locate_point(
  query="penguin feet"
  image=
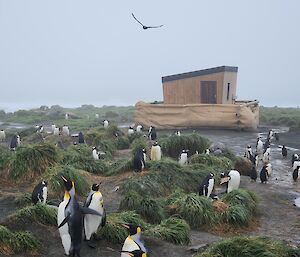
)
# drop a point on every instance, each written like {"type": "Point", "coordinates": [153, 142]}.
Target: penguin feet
{"type": "Point", "coordinates": [91, 243]}
{"type": "Point", "coordinates": [96, 237]}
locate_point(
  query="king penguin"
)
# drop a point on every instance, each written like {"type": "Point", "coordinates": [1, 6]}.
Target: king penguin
{"type": "Point", "coordinates": [40, 192]}
{"type": "Point", "coordinates": [155, 153]}
{"type": "Point", "coordinates": [135, 253]}
{"type": "Point", "coordinates": [134, 241]}
{"type": "Point", "coordinates": [94, 201]}
{"type": "Point", "coordinates": [207, 185]}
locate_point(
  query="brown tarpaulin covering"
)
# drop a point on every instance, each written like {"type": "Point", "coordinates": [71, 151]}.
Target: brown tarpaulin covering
{"type": "Point", "coordinates": [241, 115]}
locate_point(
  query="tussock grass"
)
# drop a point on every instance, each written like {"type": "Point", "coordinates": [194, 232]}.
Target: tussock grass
{"type": "Point", "coordinates": [5, 158]}
{"type": "Point", "coordinates": [151, 210]}
{"type": "Point", "coordinates": [119, 167]}
{"type": "Point", "coordinates": [196, 210]}
{"type": "Point", "coordinates": [31, 161]}
{"type": "Point", "coordinates": [135, 136]}
{"type": "Point", "coordinates": [211, 160]}
{"type": "Point", "coordinates": [23, 199]}
{"type": "Point", "coordinates": [56, 183]}
{"type": "Point", "coordinates": [138, 144]}
{"type": "Point", "coordinates": [173, 145]}
{"type": "Point", "coordinates": [250, 247]}
{"type": "Point", "coordinates": [165, 176]}
{"type": "Point", "coordinates": [123, 143]}
{"type": "Point", "coordinates": [17, 242]}
{"type": "Point", "coordinates": [38, 213]}
{"type": "Point", "coordinates": [173, 230]}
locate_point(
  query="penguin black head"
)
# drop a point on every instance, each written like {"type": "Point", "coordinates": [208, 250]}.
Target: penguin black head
{"type": "Point", "coordinates": [224, 177]}
{"type": "Point", "coordinates": [95, 187]}
{"type": "Point", "coordinates": [44, 183]}
{"type": "Point", "coordinates": [68, 183]}
{"type": "Point", "coordinates": [135, 253]}
{"type": "Point", "coordinates": [94, 148]}
{"type": "Point", "coordinates": [144, 150]}
{"type": "Point", "coordinates": [155, 143]}
{"type": "Point", "coordinates": [211, 175]}
{"type": "Point", "coordinates": [133, 229]}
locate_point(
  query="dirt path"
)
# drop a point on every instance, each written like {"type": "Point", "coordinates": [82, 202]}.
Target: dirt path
{"type": "Point", "coordinates": [278, 218]}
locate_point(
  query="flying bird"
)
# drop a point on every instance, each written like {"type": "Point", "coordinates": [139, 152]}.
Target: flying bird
{"type": "Point", "coordinates": [146, 27]}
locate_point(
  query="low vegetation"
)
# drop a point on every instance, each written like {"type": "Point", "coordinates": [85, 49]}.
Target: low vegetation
{"type": "Point", "coordinates": [250, 247]}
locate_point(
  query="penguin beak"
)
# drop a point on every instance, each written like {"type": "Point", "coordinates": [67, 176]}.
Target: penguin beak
{"type": "Point", "coordinates": [64, 179]}
{"type": "Point", "coordinates": [130, 254]}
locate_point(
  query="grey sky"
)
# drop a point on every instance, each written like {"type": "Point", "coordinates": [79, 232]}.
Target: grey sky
{"type": "Point", "coordinates": [77, 52]}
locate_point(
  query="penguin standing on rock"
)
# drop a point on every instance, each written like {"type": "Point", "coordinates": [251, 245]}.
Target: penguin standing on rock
{"type": "Point", "coordinates": [155, 154]}
{"type": "Point", "coordinates": [94, 201]}
{"type": "Point", "coordinates": [264, 174]}
{"type": "Point", "coordinates": [207, 185]}
{"type": "Point", "coordinates": [232, 180]}
{"type": "Point", "coordinates": [284, 151]}
{"type": "Point", "coordinates": [134, 241]}
{"type": "Point", "coordinates": [139, 160]}
{"type": "Point", "coordinates": [40, 192]}
{"type": "Point", "coordinates": [152, 133]}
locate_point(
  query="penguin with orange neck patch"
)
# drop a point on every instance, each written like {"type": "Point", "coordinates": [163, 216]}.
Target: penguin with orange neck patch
{"type": "Point", "coordinates": [134, 241]}
{"type": "Point", "coordinates": [70, 220]}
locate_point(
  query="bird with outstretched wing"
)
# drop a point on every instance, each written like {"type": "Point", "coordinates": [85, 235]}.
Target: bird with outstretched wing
{"type": "Point", "coordinates": [146, 27]}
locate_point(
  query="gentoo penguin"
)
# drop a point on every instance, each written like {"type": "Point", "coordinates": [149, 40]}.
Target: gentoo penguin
{"type": "Point", "coordinates": [97, 116]}
{"type": "Point", "coordinates": [95, 154]}
{"type": "Point", "coordinates": [70, 219]}
{"type": "Point", "coordinates": [40, 129]}
{"type": "Point", "coordinates": [270, 135]}
{"type": "Point", "coordinates": [266, 156]}
{"type": "Point", "coordinates": [80, 138]}
{"type": "Point", "coordinates": [152, 133]}
{"type": "Point", "coordinates": [134, 241]}
{"type": "Point", "coordinates": [295, 157]}
{"type": "Point", "coordinates": [2, 135]}
{"type": "Point", "coordinates": [207, 185]}
{"type": "Point", "coordinates": [130, 131]}
{"type": "Point", "coordinates": [139, 128]}
{"type": "Point", "coordinates": [105, 124]}
{"type": "Point", "coordinates": [94, 201]}
{"type": "Point", "coordinates": [56, 131]}
{"type": "Point", "coordinates": [52, 128]}
{"type": "Point", "coordinates": [177, 133]}
{"type": "Point", "coordinates": [65, 130]}
{"type": "Point", "coordinates": [183, 157]}
{"type": "Point", "coordinates": [155, 154]}
{"type": "Point", "coordinates": [254, 159]}
{"type": "Point", "coordinates": [259, 147]}
{"type": "Point", "coordinates": [135, 253]}
{"type": "Point", "coordinates": [248, 152]}
{"type": "Point", "coordinates": [253, 173]}
{"type": "Point", "coordinates": [139, 160]}
{"type": "Point", "coordinates": [296, 164]}
{"type": "Point", "coordinates": [284, 151]}
{"type": "Point", "coordinates": [207, 151]}
{"type": "Point", "coordinates": [40, 192]}
{"type": "Point", "coordinates": [267, 144]}
{"type": "Point", "coordinates": [66, 116]}
{"type": "Point", "coordinates": [268, 168]}
{"type": "Point", "coordinates": [231, 179]}
{"type": "Point", "coordinates": [296, 173]}
{"type": "Point", "coordinates": [15, 142]}
{"type": "Point", "coordinates": [264, 174]}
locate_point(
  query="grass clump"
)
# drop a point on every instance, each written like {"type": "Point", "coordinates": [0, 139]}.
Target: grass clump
{"type": "Point", "coordinates": [23, 199]}
{"type": "Point", "coordinates": [151, 210]}
{"type": "Point", "coordinates": [33, 160]}
{"type": "Point", "coordinates": [5, 158]}
{"type": "Point", "coordinates": [173, 145]}
{"type": "Point", "coordinates": [196, 210]}
{"type": "Point", "coordinates": [138, 144]}
{"type": "Point", "coordinates": [250, 247]}
{"type": "Point", "coordinates": [119, 167]}
{"type": "Point", "coordinates": [17, 242]}
{"type": "Point", "coordinates": [56, 183]}
{"type": "Point", "coordinates": [211, 160]}
{"type": "Point", "coordinates": [39, 213]}
{"type": "Point", "coordinates": [173, 230]}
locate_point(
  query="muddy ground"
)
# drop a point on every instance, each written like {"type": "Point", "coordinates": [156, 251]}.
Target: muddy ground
{"type": "Point", "coordinates": [278, 217]}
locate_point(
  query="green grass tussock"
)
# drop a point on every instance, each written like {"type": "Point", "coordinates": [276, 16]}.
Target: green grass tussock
{"type": "Point", "coordinates": [211, 160]}
{"type": "Point", "coordinates": [17, 242]}
{"type": "Point", "coordinates": [250, 247]}
{"type": "Point", "coordinates": [173, 145]}
{"type": "Point", "coordinates": [56, 183]}
{"type": "Point", "coordinates": [119, 167]}
{"type": "Point", "coordinates": [173, 230]}
{"type": "Point", "coordinates": [5, 158]}
{"type": "Point", "coordinates": [39, 213]}
{"type": "Point", "coordinates": [196, 210]}
{"type": "Point", "coordinates": [138, 144]}
{"type": "Point", "coordinates": [23, 199]}
{"type": "Point", "coordinates": [33, 160]}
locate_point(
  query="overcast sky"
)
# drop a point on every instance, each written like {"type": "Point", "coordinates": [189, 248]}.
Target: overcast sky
{"type": "Point", "coordinates": [93, 52]}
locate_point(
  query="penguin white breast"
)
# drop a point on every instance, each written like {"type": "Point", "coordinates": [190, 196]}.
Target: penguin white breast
{"type": "Point", "coordinates": [64, 230]}
{"type": "Point", "coordinates": [129, 245]}
{"type": "Point", "coordinates": [45, 194]}
{"type": "Point", "coordinates": [183, 158]}
{"type": "Point", "coordinates": [234, 181]}
{"type": "Point", "coordinates": [211, 183]}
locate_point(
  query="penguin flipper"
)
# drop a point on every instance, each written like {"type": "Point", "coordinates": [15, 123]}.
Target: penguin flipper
{"type": "Point", "coordinates": [65, 220]}
{"type": "Point", "coordinates": [103, 221]}
{"type": "Point", "coordinates": [86, 210]}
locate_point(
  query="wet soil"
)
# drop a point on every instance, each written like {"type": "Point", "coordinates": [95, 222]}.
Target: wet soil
{"type": "Point", "coordinates": [277, 218]}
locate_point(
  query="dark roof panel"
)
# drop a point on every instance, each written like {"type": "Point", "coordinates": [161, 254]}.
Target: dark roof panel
{"type": "Point", "coordinates": [199, 73]}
